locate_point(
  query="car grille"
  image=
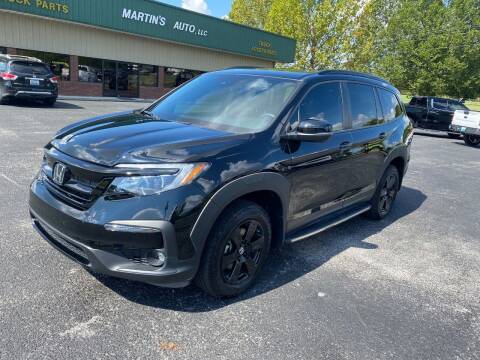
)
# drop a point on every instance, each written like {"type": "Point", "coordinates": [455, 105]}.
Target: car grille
{"type": "Point", "coordinates": [75, 198]}
{"type": "Point", "coordinates": [79, 191]}
{"type": "Point", "coordinates": [63, 244]}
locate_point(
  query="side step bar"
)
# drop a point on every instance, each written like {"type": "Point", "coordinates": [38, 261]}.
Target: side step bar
{"type": "Point", "coordinates": [326, 224]}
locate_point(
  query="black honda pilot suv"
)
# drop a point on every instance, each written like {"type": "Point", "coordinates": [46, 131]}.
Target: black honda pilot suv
{"type": "Point", "coordinates": [202, 184]}
{"type": "Point", "coordinates": [24, 77]}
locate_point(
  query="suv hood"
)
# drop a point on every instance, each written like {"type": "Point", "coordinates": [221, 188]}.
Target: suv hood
{"type": "Point", "coordinates": [132, 137]}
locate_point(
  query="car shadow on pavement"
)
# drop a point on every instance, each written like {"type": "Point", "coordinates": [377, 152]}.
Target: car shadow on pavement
{"type": "Point", "coordinates": [462, 143]}
{"type": "Point", "coordinates": [36, 104]}
{"type": "Point", "coordinates": [440, 135]}
{"type": "Point", "coordinates": [283, 266]}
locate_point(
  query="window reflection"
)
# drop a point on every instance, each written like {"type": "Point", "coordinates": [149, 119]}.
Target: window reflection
{"type": "Point", "coordinates": [148, 75]}
{"type": "Point", "coordinates": [323, 102]}
{"type": "Point", "coordinates": [58, 63]}
{"type": "Point", "coordinates": [175, 77]}
{"type": "Point", "coordinates": [390, 105]}
{"type": "Point", "coordinates": [362, 103]}
{"type": "Point", "coordinates": [90, 70]}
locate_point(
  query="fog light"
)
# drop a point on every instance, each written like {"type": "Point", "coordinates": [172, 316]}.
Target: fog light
{"type": "Point", "coordinates": [156, 257]}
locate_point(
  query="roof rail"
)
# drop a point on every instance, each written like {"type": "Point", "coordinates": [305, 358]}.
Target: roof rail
{"type": "Point", "coordinates": [241, 67]}
{"type": "Point", "coordinates": [21, 57]}
{"type": "Point", "coordinates": [353, 73]}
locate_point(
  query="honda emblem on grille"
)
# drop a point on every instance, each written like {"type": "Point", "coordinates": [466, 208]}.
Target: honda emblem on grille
{"type": "Point", "coordinates": [59, 171]}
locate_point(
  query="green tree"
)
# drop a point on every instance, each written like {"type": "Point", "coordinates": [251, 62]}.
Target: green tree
{"type": "Point", "coordinates": [462, 63]}
{"type": "Point", "coordinates": [427, 47]}
{"type": "Point", "coordinates": [250, 12]}
{"type": "Point", "coordinates": [323, 29]}
{"type": "Point", "coordinates": [368, 34]}
{"type": "Point", "coordinates": [413, 47]}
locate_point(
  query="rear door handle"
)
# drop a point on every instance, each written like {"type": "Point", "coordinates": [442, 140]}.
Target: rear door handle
{"type": "Point", "coordinates": [345, 145]}
{"type": "Point", "coordinates": [382, 135]}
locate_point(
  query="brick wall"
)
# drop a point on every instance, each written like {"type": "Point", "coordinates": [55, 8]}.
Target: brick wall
{"type": "Point", "coordinates": [77, 88]}
{"type": "Point", "coordinates": [148, 92]}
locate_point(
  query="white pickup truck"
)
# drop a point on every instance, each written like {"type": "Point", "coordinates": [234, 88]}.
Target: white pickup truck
{"type": "Point", "coordinates": [467, 123]}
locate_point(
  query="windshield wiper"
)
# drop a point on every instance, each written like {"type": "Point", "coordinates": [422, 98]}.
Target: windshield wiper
{"type": "Point", "coordinates": [148, 113]}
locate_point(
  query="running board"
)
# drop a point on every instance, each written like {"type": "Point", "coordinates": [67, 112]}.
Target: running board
{"type": "Point", "coordinates": [326, 224]}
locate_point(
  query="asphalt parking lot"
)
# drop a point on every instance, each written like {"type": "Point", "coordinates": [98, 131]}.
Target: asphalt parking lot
{"type": "Point", "coordinates": [407, 287]}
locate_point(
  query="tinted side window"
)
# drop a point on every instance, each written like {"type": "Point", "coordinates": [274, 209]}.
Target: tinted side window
{"type": "Point", "coordinates": [363, 109]}
{"type": "Point", "coordinates": [422, 102]}
{"type": "Point", "coordinates": [3, 65]}
{"type": "Point", "coordinates": [324, 102]}
{"type": "Point", "coordinates": [390, 105]}
{"type": "Point", "coordinates": [440, 104]}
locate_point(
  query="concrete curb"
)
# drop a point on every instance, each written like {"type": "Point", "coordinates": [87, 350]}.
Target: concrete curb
{"type": "Point", "coordinates": [100, 98]}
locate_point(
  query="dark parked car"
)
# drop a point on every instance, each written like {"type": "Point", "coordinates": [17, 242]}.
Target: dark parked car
{"type": "Point", "coordinates": [202, 184]}
{"type": "Point", "coordinates": [433, 113]}
{"type": "Point", "coordinates": [23, 77]}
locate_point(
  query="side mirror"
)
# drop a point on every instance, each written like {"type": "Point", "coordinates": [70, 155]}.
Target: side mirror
{"type": "Point", "coordinates": [311, 130]}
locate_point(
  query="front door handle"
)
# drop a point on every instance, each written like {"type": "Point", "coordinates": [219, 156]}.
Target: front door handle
{"type": "Point", "coordinates": [382, 135]}
{"type": "Point", "coordinates": [345, 145]}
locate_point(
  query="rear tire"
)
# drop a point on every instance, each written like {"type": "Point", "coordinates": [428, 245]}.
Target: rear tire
{"type": "Point", "coordinates": [385, 194]}
{"type": "Point", "coordinates": [235, 250]}
{"type": "Point", "coordinates": [4, 101]}
{"type": "Point", "coordinates": [471, 140]}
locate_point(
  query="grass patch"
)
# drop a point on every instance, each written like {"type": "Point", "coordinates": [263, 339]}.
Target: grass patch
{"type": "Point", "coordinates": [473, 105]}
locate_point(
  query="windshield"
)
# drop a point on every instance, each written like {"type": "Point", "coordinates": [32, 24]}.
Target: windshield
{"type": "Point", "coordinates": [236, 103]}
{"type": "Point", "coordinates": [29, 68]}
{"type": "Point", "coordinates": [456, 105]}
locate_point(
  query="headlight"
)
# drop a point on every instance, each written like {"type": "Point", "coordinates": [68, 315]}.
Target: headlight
{"type": "Point", "coordinates": [164, 177]}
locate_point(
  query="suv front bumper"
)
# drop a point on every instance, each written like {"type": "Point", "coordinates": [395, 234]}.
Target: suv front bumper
{"type": "Point", "coordinates": [114, 253]}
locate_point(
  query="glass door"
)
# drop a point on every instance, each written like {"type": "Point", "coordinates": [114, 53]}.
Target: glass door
{"type": "Point", "coordinates": [120, 79]}
{"type": "Point", "coordinates": [127, 80]}
{"type": "Point", "coordinates": [110, 78]}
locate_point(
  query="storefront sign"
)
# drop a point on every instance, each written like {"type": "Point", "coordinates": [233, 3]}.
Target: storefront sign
{"type": "Point", "coordinates": [154, 19]}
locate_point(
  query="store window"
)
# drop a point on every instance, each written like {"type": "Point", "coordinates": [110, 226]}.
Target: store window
{"type": "Point", "coordinates": [148, 75]}
{"type": "Point", "coordinates": [3, 50]}
{"type": "Point", "coordinates": [175, 77]}
{"type": "Point", "coordinates": [58, 63]}
{"type": "Point", "coordinates": [90, 70]}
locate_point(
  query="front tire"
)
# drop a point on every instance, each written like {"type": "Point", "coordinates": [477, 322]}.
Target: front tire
{"type": "Point", "coordinates": [236, 250]}
{"type": "Point", "coordinates": [471, 140]}
{"type": "Point", "coordinates": [385, 194]}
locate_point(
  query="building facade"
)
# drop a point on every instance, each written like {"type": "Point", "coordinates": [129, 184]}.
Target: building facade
{"type": "Point", "coordinates": [131, 48]}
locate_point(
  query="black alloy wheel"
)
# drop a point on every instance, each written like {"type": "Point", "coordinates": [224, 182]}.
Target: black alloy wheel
{"type": "Point", "coordinates": [236, 250]}
{"type": "Point", "coordinates": [388, 193]}
{"type": "Point", "coordinates": [385, 194]}
{"type": "Point", "coordinates": [243, 252]}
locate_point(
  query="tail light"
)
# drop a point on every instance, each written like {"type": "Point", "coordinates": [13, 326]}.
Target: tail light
{"type": "Point", "coordinates": [8, 76]}
{"type": "Point", "coordinates": [54, 79]}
